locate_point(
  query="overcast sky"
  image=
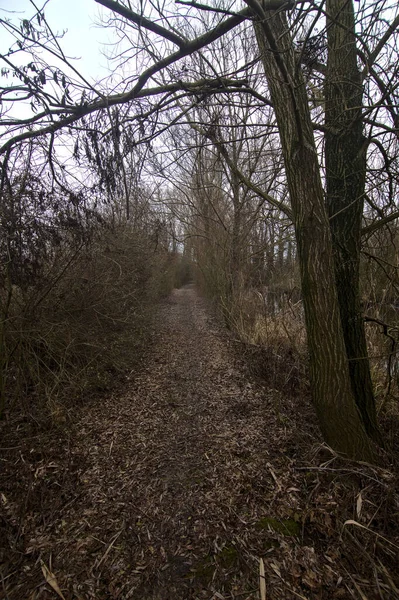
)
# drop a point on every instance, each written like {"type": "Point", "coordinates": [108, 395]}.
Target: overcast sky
{"type": "Point", "coordinates": [84, 39]}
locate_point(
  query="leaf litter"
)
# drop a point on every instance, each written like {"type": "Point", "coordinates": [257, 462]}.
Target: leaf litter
{"type": "Point", "coordinates": [194, 481]}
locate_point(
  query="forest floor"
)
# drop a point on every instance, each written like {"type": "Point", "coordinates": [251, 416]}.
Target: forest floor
{"type": "Point", "coordinates": [186, 483]}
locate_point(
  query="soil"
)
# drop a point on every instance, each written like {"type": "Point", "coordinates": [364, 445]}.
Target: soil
{"type": "Point", "coordinates": [188, 483]}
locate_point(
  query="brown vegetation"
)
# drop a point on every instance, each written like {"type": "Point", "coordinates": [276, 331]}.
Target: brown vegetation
{"type": "Point", "coordinates": [256, 154]}
{"type": "Point", "coordinates": [183, 482]}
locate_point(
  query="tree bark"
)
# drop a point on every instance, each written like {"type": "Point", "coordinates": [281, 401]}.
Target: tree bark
{"type": "Point", "coordinates": [345, 152]}
{"type": "Point", "coordinates": [332, 393]}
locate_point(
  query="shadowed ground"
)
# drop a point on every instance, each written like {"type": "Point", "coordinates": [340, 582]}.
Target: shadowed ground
{"type": "Point", "coordinates": [176, 488]}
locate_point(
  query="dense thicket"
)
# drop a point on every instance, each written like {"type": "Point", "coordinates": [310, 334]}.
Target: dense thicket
{"type": "Point", "coordinates": [78, 285]}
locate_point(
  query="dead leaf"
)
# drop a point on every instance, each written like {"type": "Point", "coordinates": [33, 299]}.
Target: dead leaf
{"type": "Point", "coordinates": [51, 580]}
{"type": "Point", "coordinates": [359, 504]}
{"type": "Point", "coordinates": [262, 581]}
{"type": "Point", "coordinates": [352, 522]}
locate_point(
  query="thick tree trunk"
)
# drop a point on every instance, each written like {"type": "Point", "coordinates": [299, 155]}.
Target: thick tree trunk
{"type": "Point", "coordinates": [345, 153]}
{"type": "Point", "coordinates": [331, 386]}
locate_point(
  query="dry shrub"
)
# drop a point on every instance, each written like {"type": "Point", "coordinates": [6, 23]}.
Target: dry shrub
{"type": "Point", "coordinates": [184, 270]}
{"type": "Point", "coordinates": [349, 516]}
{"type": "Point", "coordinates": [382, 339]}
{"type": "Point", "coordinates": [85, 324]}
{"type": "Point", "coordinates": [380, 293]}
{"type": "Point", "coordinates": [273, 331]}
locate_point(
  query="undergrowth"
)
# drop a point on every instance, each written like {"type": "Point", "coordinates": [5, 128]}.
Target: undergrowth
{"type": "Point", "coordinates": [350, 512]}
{"type": "Point", "coordinates": [83, 324]}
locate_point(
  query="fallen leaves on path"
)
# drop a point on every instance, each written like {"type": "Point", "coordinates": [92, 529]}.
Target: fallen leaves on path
{"type": "Point", "coordinates": [195, 482]}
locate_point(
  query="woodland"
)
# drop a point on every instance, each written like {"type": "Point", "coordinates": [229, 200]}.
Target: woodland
{"type": "Point", "coordinates": [228, 195]}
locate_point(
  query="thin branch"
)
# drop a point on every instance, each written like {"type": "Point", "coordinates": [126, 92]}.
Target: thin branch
{"type": "Point", "coordinates": [142, 21]}
{"type": "Point", "coordinates": [79, 111]}
{"type": "Point", "coordinates": [373, 56]}
{"type": "Point", "coordinates": [206, 7]}
{"type": "Point", "coordinates": [245, 180]}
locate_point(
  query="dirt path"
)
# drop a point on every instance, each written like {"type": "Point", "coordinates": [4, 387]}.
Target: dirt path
{"type": "Point", "coordinates": [180, 469]}
{"type": "Point", "coordinates": [175, 489]}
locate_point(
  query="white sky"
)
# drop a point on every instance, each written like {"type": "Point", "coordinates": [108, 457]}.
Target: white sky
{"type": "Point", "coordinates": [83, 40]}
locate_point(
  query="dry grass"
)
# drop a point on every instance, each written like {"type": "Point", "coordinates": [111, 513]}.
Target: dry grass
{"type": "Point", "coordinates": [274, 339]}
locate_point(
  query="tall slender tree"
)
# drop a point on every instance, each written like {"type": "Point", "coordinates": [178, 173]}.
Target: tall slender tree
{"type": "Point", "coordinates": [332, 392]}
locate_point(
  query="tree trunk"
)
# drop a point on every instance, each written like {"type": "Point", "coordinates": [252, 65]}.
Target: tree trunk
{"type": "Point", "coordinates": [332, 393]}
{"type": "Point", "coordinates": [345, 152]}
{"type": "Point", "coordinates": [270, 258]}
{"type": "Point", "coordinates": [235, 266]}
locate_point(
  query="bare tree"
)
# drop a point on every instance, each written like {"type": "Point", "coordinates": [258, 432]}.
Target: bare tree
{"type": "Point", "coordinates": [163, 88]}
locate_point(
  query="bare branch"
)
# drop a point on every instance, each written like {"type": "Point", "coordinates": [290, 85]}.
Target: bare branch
{"type": "Point", "coordinates": [380, 223]}
{"type": "Point", "coordinates": [245, 180]}
{"type": "Point", "coordinates": [374, 55]}
{"type": "Point", "coordinates": [142, 21]}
